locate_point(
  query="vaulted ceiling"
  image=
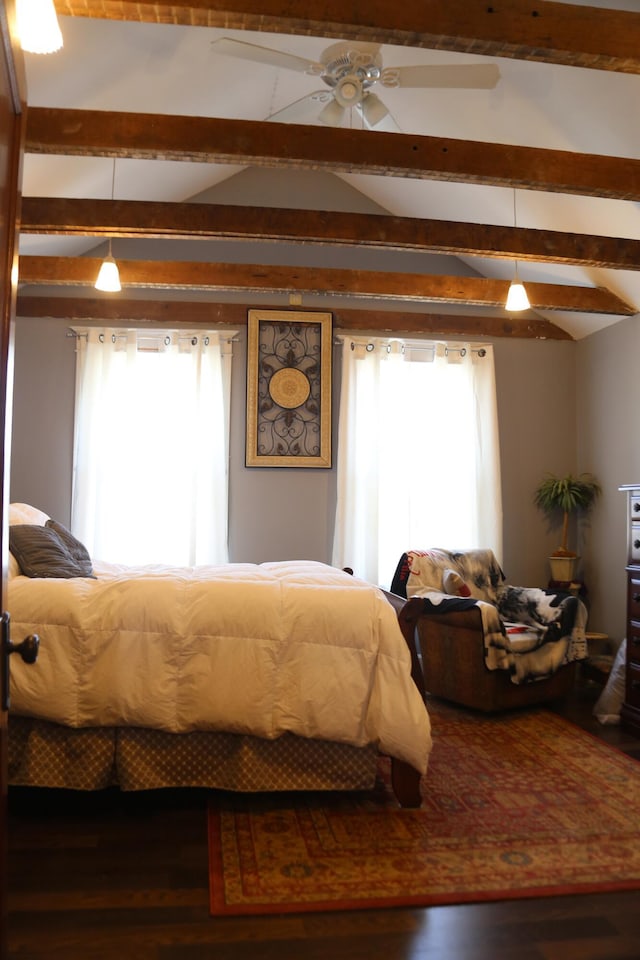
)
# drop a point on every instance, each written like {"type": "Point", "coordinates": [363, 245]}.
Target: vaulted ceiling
{"type": "Point", "coordinates": [410, 225]}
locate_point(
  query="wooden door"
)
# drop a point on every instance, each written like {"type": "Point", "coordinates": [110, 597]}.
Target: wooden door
{"type": "Point", "coordinates": [12, 126]}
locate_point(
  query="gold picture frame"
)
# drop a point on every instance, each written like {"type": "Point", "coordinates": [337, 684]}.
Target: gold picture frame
{"type": "Point", "coordinates": [289, 356]}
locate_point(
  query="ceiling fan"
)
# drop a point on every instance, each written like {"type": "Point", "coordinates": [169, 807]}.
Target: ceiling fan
{"type": "Point", "coordinates": [350, 69]}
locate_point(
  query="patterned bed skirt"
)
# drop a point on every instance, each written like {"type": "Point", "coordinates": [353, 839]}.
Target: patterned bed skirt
{"type": "Point", "coordinates": [43, 754]}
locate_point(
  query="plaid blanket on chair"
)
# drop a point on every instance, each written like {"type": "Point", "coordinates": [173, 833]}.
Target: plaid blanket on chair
{"type": "Point", "coordinates": [527, 631]}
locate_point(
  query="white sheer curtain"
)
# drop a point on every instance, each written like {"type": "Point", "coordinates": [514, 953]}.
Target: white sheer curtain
{"type": "Point", "coordinates": [418, 459]}
{"type": "Point", "coordinates": [151, 446]}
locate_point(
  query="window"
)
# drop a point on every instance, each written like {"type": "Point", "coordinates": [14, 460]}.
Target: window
{"type": "Point", "coordinates": [418, 454]}
{"type": "Point", "coordinates": [151, 446]}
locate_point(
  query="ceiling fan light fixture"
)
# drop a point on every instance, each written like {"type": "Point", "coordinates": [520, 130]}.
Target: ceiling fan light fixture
{"type": "Point", "coordinates": [517, 298]}
{"type": "Point", "coordinates": [37, 26]}
{"type": "Point", "coordinates": [109, 276]}
{"type": "Point", "coordinates": [348, 90]}
{"type": "Point", "coordinates": [331, 114]}
{"type": "Point", "coordinates": [373, 109]}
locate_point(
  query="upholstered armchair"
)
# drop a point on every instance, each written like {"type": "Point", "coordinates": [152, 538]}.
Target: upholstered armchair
{"type": "Point", "coordinates": [482, 642]}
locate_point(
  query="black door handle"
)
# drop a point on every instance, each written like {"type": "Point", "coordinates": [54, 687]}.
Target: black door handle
{"type": "Point", "coordinates": [27, 648]}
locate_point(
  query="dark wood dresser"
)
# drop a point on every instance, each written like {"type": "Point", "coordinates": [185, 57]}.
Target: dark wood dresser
{"type": "Point", "coordinates": [630, 716]}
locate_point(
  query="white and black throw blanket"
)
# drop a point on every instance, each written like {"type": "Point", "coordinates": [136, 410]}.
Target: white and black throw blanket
{"type": "Point", "coordinates": [527, 631]}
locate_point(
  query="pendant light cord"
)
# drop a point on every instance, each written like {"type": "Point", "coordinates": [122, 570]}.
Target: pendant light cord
{"type": "Point", "coordinates": [515, 225]}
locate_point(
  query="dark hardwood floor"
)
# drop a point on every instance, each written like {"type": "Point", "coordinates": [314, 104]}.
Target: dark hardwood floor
{"type": "Point", "coordinates": [122, 876]}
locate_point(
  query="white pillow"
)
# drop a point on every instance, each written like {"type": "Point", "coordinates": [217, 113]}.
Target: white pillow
{"type": "Point", "coordinates": [23, 513]}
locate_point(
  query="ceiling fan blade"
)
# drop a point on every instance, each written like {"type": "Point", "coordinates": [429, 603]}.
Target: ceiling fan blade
{"type": "Point", "coordinates": [273, 58]}
{"type": "Point", "coordinates": [480, 76]}
{"type": "Point", "coordinates": [299, 111]}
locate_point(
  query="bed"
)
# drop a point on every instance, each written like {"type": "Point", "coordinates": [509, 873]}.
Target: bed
{"type": "Point", "coordinates": [284, 675]}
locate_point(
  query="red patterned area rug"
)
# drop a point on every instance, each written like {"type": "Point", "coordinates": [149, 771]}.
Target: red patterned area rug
{"type": "Point", "coordinates": [521, 805]}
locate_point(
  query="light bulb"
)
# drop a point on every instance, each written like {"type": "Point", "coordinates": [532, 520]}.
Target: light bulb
{"type": "Point", "coordinates": [373, 109]}
{"type": "Point", "coordinates": [109, 276]}
{"type": "Point", "coordinates": [517, 298]}
{"type": "Point", "coordinates": [37, 25]}
{"type": "Point", "coordinates": [331, 114]}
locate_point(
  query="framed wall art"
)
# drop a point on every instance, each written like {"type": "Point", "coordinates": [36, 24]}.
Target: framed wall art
{"type": "Point", "coordinates": [288, 389]}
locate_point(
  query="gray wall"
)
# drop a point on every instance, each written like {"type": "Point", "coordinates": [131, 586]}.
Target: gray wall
{"type": "Point", "coordinates": [42, 431]}
{"type": "Point", "coordinates": [288, 513]}
{"type": "Point", "coordinates": [607, 366]}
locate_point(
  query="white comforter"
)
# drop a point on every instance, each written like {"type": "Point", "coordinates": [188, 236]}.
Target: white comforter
{"type": "Point", "coordinates": [262, 649]}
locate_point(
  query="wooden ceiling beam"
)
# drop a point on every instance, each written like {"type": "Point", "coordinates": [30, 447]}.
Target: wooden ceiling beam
{"type": "Point", "coordinates": [359, 284]}
{"type": "Point", "coordinates": [56, 216]}
{"type": "Point", "coordinates": [260, 143]}
{"type": "Point", "coordinates": [119, 310]}
{"type": "Point", "coordinates": [548, 32]}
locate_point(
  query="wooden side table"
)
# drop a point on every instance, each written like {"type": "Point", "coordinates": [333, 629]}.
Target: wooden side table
{"type": "Point", "coordinates": [598, 664]}
{"type": "Point", "coordinates": [576, 588]}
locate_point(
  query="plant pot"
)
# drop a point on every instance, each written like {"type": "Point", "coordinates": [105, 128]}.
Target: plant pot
{"type": "Point", "coordinates": [563, 568]}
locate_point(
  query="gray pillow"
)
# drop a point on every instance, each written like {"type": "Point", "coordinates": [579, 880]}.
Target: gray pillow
{"type": "Point", "coordinates": [49, 551]}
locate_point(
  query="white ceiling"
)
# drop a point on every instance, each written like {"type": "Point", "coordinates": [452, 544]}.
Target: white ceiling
{"type": "Point", "coordinates": [156, 68]}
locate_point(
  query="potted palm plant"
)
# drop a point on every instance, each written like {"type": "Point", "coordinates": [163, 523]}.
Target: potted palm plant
{"type": "Point", "coordinates": [567, 494]}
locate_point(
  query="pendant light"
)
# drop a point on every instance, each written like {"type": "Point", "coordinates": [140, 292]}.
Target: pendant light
{"type": "Point", "coordinates": [109, 275]}
{"type": "Point", "coordinates": [37, 26]}
{"type": "Point", "coordinates": [517, 298]}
